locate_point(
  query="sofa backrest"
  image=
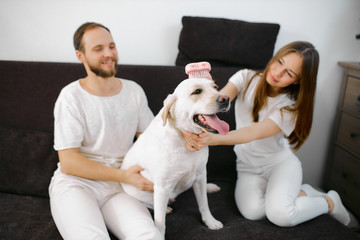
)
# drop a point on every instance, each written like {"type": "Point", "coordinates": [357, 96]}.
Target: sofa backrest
{"type": "Point", "coordinates": [28, 94]}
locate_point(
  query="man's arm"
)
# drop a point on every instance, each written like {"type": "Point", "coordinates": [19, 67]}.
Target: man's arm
{"type": "Point", "coordinates": [73, 163]}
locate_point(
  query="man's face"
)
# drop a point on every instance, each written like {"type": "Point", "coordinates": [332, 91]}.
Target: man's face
{"type": "Point", "coordinates": [100, 53]}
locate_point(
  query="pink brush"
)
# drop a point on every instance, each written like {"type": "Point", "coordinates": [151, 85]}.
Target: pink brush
{"type": "Point", "coordinates": [198, 70]}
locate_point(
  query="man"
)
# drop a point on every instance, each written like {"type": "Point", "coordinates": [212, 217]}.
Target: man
{"type": "Point", "coordinates": [96, 119]}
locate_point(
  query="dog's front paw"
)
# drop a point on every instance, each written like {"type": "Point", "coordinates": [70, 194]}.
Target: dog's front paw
{"type": "Point", "coordinates": [211, 188]}
{"type": "Point", "coordinates": [213, 224]}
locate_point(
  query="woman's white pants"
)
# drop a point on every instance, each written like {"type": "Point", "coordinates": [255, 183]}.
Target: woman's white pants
{"type": "Point", "coordinates": [273, 193]}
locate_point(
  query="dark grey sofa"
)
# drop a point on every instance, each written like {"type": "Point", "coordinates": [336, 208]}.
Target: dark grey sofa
{"type": "Point", "coordinates": [28, 91]}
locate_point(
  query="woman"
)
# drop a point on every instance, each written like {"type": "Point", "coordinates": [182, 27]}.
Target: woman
{"type": "Point", "coordinates": [273, 113]}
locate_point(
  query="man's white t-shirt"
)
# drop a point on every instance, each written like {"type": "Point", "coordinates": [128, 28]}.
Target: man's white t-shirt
{"type": "Point", "coordinates": [261, 152]}
{"type": "Point", "coordinates": [102, 127]}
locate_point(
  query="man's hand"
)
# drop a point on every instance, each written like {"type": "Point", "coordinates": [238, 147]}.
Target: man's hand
{"type": "Point", "coordinates": [133, 177]}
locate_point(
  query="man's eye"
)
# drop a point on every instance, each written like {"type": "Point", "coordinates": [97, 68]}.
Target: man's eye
{"type": "Point", "coordinates": [197, 91]}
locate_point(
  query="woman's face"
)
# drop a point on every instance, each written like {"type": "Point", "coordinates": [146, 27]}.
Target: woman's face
{"type": "Point", "coordinates": [284, 72]}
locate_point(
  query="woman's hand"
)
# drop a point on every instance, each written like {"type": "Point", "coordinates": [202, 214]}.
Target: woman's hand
{"type": "Point", "coordinates": [195, 142]}
{"type": "Point", "coordinates": [133, 177]}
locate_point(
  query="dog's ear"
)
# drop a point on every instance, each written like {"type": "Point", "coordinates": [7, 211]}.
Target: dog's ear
{"type": "Point", "coordinates": [168, 103]}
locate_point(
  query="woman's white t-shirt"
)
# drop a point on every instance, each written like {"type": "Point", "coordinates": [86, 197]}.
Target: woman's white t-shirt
{"type": "Point", "coordinates": [103, 128]}
{"type": "Point", "coordinates": [262, 152]}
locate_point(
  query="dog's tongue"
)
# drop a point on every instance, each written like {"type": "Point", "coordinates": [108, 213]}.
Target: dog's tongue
{"type": "Point", "coordinates": [214, 122]}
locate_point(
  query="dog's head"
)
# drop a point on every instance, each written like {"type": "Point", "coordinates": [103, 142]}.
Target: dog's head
{"type": "Point", "coordinates": [193, 107]}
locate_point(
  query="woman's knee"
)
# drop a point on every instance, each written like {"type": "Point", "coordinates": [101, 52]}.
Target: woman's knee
{"type": "Point", "coordinates": [253, 210]}
{"type": "Point", "coordinates": [280, 216]}
{"type": "Point", "coordinates": [252, 214]}
{"type": "Point", "coordinates": [249, 196]}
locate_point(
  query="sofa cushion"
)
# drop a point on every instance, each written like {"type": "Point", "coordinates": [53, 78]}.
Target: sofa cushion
{"type": "Point", "coordinates": [29, 91]}
{"type": "Point", "coordinates": [26, 217]}
{"type": "Point", "coordinates": [226, 42]}
{"type": "Point", "coordinates": [27, 161]}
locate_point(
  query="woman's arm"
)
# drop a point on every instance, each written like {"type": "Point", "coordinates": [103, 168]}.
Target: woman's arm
{"type": "Point", "coordinates": [263, 129]}
{"type": "Point", "coordinates": [230, 90]}
{"type": "Point", "coordinates": [73, 163]}
{"type": "Point", "coordinates": [259, 130]}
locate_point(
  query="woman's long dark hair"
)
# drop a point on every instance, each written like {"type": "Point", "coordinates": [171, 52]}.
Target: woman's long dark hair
{"type": "Point", "coordinates": [302, 93]}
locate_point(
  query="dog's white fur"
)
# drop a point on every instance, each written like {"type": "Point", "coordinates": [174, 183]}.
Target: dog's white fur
{"type": "Point", "coordinates": [161, 151]}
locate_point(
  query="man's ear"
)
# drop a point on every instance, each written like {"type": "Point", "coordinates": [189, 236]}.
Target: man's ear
{"type": "Point", "coordinates": [168, 104]}
{"type": "Point", "coordinates": [80, 55]}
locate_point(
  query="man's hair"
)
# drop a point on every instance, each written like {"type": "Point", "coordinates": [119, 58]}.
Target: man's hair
{"type": "Point", "coordinates": [78, 44]}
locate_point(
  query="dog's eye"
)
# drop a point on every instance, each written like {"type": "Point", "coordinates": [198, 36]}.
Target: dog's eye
{"type": "Point", "coordinates": [197, 91]}
{"type": "Point", "coordinates": [216, 86]}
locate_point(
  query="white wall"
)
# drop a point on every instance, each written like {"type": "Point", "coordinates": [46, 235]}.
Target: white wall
{"type": "Point", "coordinates": [146, 32]}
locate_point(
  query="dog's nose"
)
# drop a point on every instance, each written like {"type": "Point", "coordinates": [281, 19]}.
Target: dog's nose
{"type": "Point", "coordinates": [223, 101]}
{"type": "Point", "coordinates": [223, 98]}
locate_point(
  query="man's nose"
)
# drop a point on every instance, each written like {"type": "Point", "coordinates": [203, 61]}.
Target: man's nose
{"type": "Point", "coordinates": [108, 52]}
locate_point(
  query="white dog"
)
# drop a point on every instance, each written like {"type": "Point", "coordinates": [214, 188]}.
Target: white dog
{"type": "Point", "coordinates": [161, 149]}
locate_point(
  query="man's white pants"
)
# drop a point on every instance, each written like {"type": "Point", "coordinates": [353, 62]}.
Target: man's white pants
{"type": "Point", "coordinates": [84, 209]}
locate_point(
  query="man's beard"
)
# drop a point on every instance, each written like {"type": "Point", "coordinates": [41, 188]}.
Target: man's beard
{"type": "Point", "coordinates": [102, 73]}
